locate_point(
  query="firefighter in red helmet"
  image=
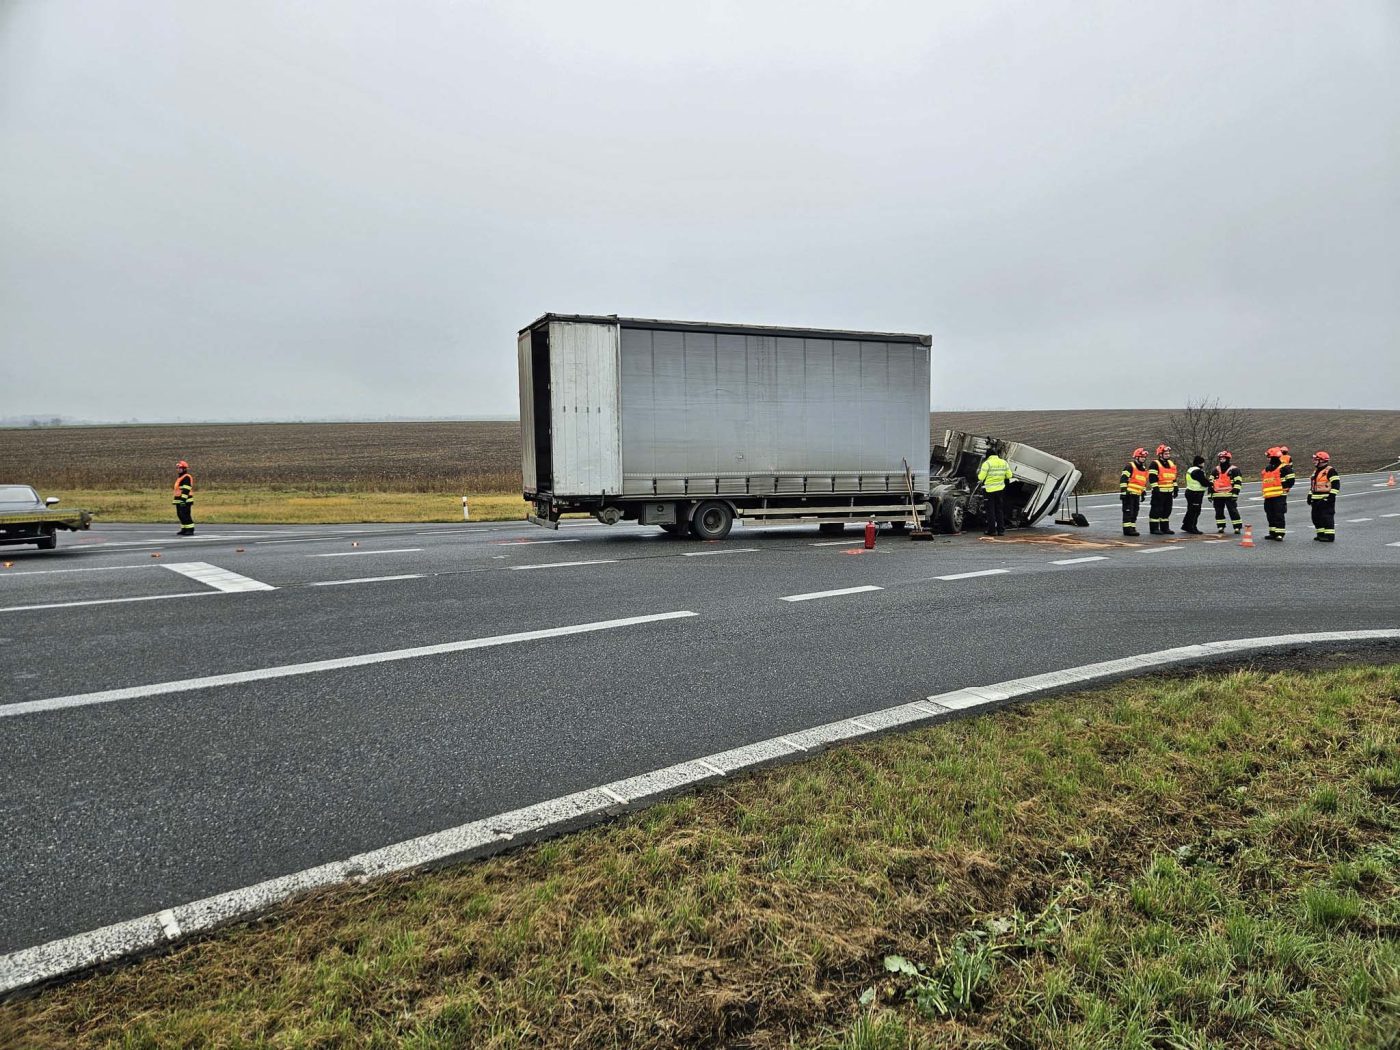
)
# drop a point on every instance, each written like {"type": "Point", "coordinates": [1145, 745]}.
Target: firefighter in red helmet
{"type": "Point", "coordinates": [1322, 498]}
{"type": "Point", "coordinates": [1226, 481]}
{"type": "Point", "coordinates": [1132, 483]}
{"type": "Point", "coordinates": [183, 498]}
{"type": "Point", "coordinates": [1162, 483]}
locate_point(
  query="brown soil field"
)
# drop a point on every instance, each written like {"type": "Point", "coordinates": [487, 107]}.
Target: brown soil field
{"type": "Point", "coordinates": [484, 456]}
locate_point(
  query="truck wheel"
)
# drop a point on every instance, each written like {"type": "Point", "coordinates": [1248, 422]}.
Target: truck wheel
{"type": "Point", "coordinates": [711, 520]}
{"type": "Point", "coordinates": [49, 540]}
{"type": "Point", "coordinates": [831, 528]}
{"type": "Point", "coordinates": [950, 516]}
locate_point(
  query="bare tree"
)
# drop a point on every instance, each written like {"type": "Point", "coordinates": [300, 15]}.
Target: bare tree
{"type": "Point", "coordinates": [1205, 427]}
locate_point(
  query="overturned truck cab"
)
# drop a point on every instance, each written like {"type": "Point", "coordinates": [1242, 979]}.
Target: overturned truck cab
{"type": "Point", "coordinates": [1042, 481]}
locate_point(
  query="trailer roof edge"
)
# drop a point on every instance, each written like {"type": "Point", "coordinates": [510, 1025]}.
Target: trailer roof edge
{"type": "Point", "coordinates": [656, 324]}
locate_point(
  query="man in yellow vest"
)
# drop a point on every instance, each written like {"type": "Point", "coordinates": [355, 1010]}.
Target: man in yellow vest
{"type": "Point", "coordinates": [995, 474]}
{"type": "Point", "coordinates": [1161, 481]}
{"type": "Point", "coordinates": [1132, 483]}
{"type": "Point", "coordinates": [1275, 480]}
{"type": "Point", "coordinates": [1322, 498]}
{"type": "Point", "coordinates": [1196, 488]}
{"type": "Point", "coordinates": [183, 493]}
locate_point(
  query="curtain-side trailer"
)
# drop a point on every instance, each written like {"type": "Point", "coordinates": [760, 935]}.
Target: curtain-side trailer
{"type": "Point", "coordinates": [688, 425]}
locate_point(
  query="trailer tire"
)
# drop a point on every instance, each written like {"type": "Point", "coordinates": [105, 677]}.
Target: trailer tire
{"type": "Point", "coordinates": [950, 516]}
{"type": "Point", "coordinates": [49, 540]}
{"type": "Point", "coordinates": [712, 520]}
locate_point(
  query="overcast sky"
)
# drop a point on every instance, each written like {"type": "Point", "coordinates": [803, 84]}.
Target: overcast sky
{"type": "Point", "coordinates": [346, 209]}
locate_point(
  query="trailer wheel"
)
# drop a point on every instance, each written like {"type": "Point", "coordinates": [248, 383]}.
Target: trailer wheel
{"type": "Point", "coordinates": [49, 540]}
{"type": "Point", "coordinates": [711, 520]}
{"type": "Point", "coordinates": [950, 515]}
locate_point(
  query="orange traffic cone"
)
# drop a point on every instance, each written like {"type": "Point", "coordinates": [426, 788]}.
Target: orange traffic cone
{"type": "Point", "coordinates": [1248, 540]}
{"type": "Point", "coordinates": [1391, 483]}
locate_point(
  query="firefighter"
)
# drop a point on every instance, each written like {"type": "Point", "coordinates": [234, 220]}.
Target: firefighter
{"type": "Point", "coordinates": [1132, 483]}
{"type": "Point", "coordinates": [1284, 456]}
{"type": "Point", "coordinates": [995, 474]}
{"type": "Point", "coordinates": [1226, 481]}
{"type": "Point", "coordinates": [1161, 481]}
{"type": "Point", "coordinates": [1322, 498]}
{"type": "Point", "coordinates": [1196, 488]}
{"type": "Point", "coordinates": [1275, 480]}
{"type": "Point", "coordinates": [184, 498]}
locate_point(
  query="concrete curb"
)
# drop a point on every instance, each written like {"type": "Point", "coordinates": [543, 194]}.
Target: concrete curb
{"type": "Point", "coordinates": [69, 955]}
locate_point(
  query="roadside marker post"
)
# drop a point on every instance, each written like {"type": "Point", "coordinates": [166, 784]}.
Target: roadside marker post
{"type": "Point", "coordinates": [466, 510]}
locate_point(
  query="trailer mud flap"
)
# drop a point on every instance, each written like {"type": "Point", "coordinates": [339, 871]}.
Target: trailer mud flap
{"type": "Point", "coordinates": [543, 523]}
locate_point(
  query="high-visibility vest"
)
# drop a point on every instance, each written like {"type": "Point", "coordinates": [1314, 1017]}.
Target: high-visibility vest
{"type": "Point", "coordinates": [1166, 474]}
{"type": "Point", "coordinates": [1193, 483]}
{"type": "Point", "coordinates": [1322, 481]}
{"type": "Point", "coordinates": [1224, 484]}
{"type": "Point", "coordinates": [1272, 482]}
{"type": "Point", "coordinates": [1137, 479]}
{"type": "Point", "coordinates": [183, 489]}
{"type": "Point", "coordinates": [994, 474]}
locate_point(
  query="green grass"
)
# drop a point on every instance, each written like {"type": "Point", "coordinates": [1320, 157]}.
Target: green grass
{"type": "Point", "coordinates": [1204, 862]}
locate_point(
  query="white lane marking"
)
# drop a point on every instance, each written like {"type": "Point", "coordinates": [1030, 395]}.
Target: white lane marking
{"type": "Point", "coordinates": [1356, 521]}
{"type": "Point", "coordinates": [730, 550]}
{"type": "Point", "coordinates": [1104, 506]}
{"type": "Point", "coordinates": [351, 554]}
{"type": "Point", "coordinates": [970, 575]}
{"type": "Point", "coordinates": [103, 544]}
{"type": "Point", "coordinates": [838, 543]}
{"type": "Point", "coordinates": [109, 601]}
{"type": "Point", "coordinates": [94, 568]}
{"type": "Point", "coordinates": [564, 564]}
{"type": "Point", "coordinates": [185, 685]}
{"type": "Point", "coordinates": [1381, 485]}
{"type": "Point", "coordinates": [367, 579]}
{"type": "Point", "coordinates": [1156, 550]}
{"type": "Point", "coordinates": [829, 594]}
{"type": "Point", "coordinates": [29, 966]}
{"type": "Point", "coordinates": [219, 579]}
{"type": "Point", "coordinates": [531, 543]}
{"type": "Point", "coordinates": [1393, 544]}
{"type": "Point", "coordinates": [1390, 515]}
{"type": "Point", "coordinates": [1079, 561]}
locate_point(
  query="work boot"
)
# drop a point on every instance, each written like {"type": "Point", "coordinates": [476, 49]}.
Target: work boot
{"type": "Point", "coordinates": [1239, 529]}
{"type": "Point", "coordinates": [1167, 530]}
{"type": "Point", "coordinates": [1220, 531]}
{"type": "Point", "coordinates": [1320, 539]}
{"type": "Point", "coordinates": [1131, 532]}
{"type": "Point", "coordinates": [1001, 532]}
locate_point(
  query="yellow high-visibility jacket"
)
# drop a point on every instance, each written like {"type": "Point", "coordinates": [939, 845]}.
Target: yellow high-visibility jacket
{"type": "Point", "coordinates": [995, 474]}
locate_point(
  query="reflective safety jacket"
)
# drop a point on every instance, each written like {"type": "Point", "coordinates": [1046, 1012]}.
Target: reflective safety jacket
{"type": "Point", "coordinates": [1133, 480]}
{"type": "Point", "coordinates": [1271, 481]}
{"type": "Point", "coordinates": [1226, 483]}
{"type": "Point", "coordinates": [1286, 471]}
{"type": "Point", "coordinates": [183, 488]}
{"type": "Point", "coordinates": [1196, 479]}
{"type": "Point", "coordinates": [1162, 475]}
{"type": "Point", "coordinates": [995, 473]}
{"type": "Point", "coordinates": [1326, 483]}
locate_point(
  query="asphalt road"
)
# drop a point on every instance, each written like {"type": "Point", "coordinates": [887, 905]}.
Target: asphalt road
{"type": "Point", "coordinates": [118, 804]}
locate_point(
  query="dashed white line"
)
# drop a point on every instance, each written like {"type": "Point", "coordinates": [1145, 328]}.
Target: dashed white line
{"type": "Point", "coordinates": [837, 543]}
{"type": "Point", "coordinates": [219, 579]}
{"type": "Point", "coordinates": [351, 554]}
{"type": "Point", "coordinates": [94, 568]}
{"type": "Point", "coordinates": [1397, 544]}
{"type": "Point", "coordinates": [184, 685]}
{"type": "Point", "coordinates": [1390, 515]}
{"type": "Point", "coordinates": [1356, 521]}
{"type": "Point", "coordinates": [367, 579]}
{"type": "Point", "coordinates": [531, 543]}
{"type": "Point", "coordinates": [1079, 561]}
{"type": "Point", "coordinates": [829, 594]}
{"type": "Point", "coordinates": [563, 564]}
{"type": "Point", "coordinates": [1156, 550]}
{"type": "Point", "coordinates": [970, 575]}
{"type": "Point", "coordinates": [730, 550]}
{"type": "Point", "coordinates": [109, 601]}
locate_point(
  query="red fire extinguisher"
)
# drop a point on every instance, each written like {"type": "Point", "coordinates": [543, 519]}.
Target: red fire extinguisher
{"type": "Point", "coordinates": [870, 535]}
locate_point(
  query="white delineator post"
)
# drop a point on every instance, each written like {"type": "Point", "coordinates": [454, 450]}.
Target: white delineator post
{"type": "Point", "coordinates": [466, 510]}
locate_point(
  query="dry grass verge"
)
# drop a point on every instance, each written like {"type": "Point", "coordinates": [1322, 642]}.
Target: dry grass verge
{"type": "Point", "coordinates": [1170, 862]}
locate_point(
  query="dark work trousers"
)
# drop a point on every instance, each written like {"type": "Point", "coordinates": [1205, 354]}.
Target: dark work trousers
{"type": "Point", "coordinates": [1324, 518]}
{"type": "Point", "coordinates": [1131, 504]}
{"type": "Point", "coordinates": [1227, 508]}
{"type": "Point", "coordinates": [996, 512]}
{"type": "Point", "coordinates": [1275, 509]}
{"type": "Point", "coordinates": [1159, 512]}
{"type": "Point", "coordinates": [1193, 510]}
{"type": "Point", "coordinates": [185, 512]}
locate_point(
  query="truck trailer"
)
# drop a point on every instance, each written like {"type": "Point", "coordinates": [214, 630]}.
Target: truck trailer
{"type": "Point", "coordinates": [691, 425]}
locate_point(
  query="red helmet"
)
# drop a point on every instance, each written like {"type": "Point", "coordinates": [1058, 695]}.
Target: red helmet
{"type": "Point", "coordinates": [1322, 457]}
{"type": "Point", "coordinates": [1139, 453]}
{"type": "Point", "coordinates": [1162, 450]}
{"type": "Point", "coordinates": [1275, 451]}
{"type": "Point", "coordinates": [182, 465]}
{"type": "Point", "coordinates": [1224, 454]}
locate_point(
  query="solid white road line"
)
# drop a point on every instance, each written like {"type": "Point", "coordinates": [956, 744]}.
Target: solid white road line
{"type": "Point", "coordinates": [367, 579]}
{"type": "Point", "coordinates": [186, 685]}
{"type": "Point", "coordinates": [94, 568]}
{"type": "Point", "coordinates": [1156, 550]}
{"type": "Point", "coordinates": [219, 579]}
{"type": "Point", "coordinates": [1079, 561]}
{"type": "Point", "coordinates": [564, 564]}
{"type": "Point", "coordinates": [109, 601]}
{"type": "Point", "coordinates": [555, 816]}
{"type": "Point", "coordinates": [970, 575]}
{"type": "Point", "coordinates": [351, 554]}
{"type": "Point", "coordinates": [829, 594]}
{"type": "Point", "coordinates": [730, 550]}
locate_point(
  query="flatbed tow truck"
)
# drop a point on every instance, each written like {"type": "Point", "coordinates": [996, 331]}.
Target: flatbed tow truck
{"type": "Point", "coordinates": [25, 518]}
